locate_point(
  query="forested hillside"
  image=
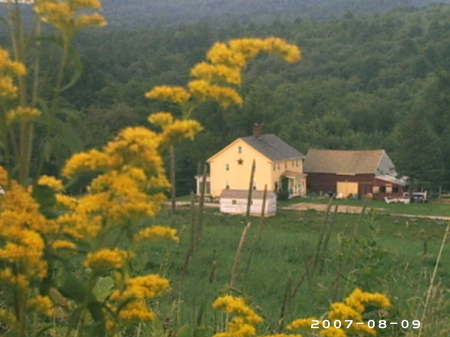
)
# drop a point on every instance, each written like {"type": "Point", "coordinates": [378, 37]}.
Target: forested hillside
{"type": "Point", "coordinates": [379, 81]}
{"type": "Point", "coordinates": [133, 13]}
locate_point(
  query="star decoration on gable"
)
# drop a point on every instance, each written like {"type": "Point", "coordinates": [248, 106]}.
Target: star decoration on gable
{"type": "Point", "coordinates": [240, 161]}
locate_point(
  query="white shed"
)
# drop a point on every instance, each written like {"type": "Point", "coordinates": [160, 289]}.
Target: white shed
{"type": "Point", "coordinates": [235, 202]}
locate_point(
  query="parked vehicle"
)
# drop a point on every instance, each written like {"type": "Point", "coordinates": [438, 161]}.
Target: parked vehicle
{"type": "Point", "coordinates": [417, 196]}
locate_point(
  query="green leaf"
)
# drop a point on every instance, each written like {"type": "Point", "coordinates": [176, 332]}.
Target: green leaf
{"type": "Point", "coordinates": [46, 199]}
{"type": "Point", "coordinates": [103, 288]}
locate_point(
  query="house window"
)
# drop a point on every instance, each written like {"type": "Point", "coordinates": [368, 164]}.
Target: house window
{"type": "Point", "coordinates": [395, 189]}
{"type": "Point", "coordinates": [296, 163]}
{"type": "Point", "coordinates": [227, 185]}
{"type": "Point", "coordinates": [382, 189]}
{"type": "Point", "coordinates": [233, 202]}
{"type": "Point", "coordinates": [293, 163]}
{"type": "Point", "coordinates": [254, 185]}
{"type": "Point", "coordinates": [227, 167]}
{"type": "Point", "coordinates": [239, 149]}
{"type": "Point", "coordinates": [285, 164]}
{"type": "Point", "coordinates": [274, 167]}
{"type": "Point", "coordinates": [278, 166]}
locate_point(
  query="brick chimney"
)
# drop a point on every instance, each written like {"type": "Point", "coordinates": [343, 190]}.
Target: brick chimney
{"type": "Point", "coordinates": [257, 130]}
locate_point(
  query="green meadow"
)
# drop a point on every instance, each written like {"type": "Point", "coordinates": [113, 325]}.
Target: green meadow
{"type": "Point", "coordinates": [293, 265]}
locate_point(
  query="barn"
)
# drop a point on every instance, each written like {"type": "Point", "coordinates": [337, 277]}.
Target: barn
{"type": "Point", "coordinates": [235, 202]}
{"type": "Point", "coordinates": [353, 173]}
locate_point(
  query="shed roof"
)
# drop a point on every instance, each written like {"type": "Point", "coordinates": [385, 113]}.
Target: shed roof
{"type": "Point", "coordinates": [243, 194]}
{"type": "Point", "coordinates": [374, 162]}
{"type": "Point", "coordinates": [272, 147]}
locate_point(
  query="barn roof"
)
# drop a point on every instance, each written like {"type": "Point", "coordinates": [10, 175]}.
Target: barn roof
{"type": "Point", "coordinates": [374, 162]}
{"type": "Point", "coordinates": [272, 147]}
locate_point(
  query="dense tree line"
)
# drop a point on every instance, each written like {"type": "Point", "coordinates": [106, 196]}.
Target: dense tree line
{"type": "Point", "coordinates": [377, 81]}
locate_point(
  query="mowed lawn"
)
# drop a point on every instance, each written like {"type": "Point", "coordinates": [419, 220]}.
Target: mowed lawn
{"type": "Point", "coordinates": [394, 255]}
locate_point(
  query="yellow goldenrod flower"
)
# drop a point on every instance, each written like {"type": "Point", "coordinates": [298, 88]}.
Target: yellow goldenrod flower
{"type": "Point", "coordinates": [22, 114]}
{"type": "Point", "coordinates": [236, 305]}
{"type": "Point", "coordinates": [161, 119]}
{"type": "Point", "coordinates": [157, 233]}
{"type": "Point", "coordinates": [9, 67]}
{"type": "Point", "coordinates": [341, 311]}
{"type": "Point", "coordinates": [238, 327]}
{"type": "Point", "coordinates": [63, 244]}
{"type": "Point", "coordinates": [66, 201]}
{"type": "Point", "coordinates": [42, 304]}
{"type": "Point", "coordinates": [181, 129]}
{"type": "Point", "coordinates": [217, 72]}
{"type": "Point", "coordinates": [303, 323]}
{"type": "Point", "coordinates": [52, 182]}
{"type": "Point", "coordinates": [332, 332]}
{"type": "Point", "coordinates": [64, 17]}
{"type": "Point", "coordinates": [107, 259]}
{"type": "Point", "coordinates": [283, 335]}
{"type": "Point", "coordinates": [169, 93]}
{"type": "Point", "coordinates": [3, 176]}
{"type": "Point", "coordinates": [7, 87]}
{"type": "Point", "coordinates": [9, 319]}
{"type": "Point", "coordinates": [248, 47]}
{"type": "Point", "coordinates": [225, 96]}
{"type": "Point", "coordinates": [136, 311]}
{"type": "Point", "coordinates": [220, 53]}
{"type": "Point", "coordinates": [357, 299]}
{"type": "Point", "coordinates": [350, 310]}
{"type": "Point", "coordinates": [141, 288]}
{"type": "Point", "coordinates": [289, 52]}
{"type": "Point", "coordinates": [86, 161]}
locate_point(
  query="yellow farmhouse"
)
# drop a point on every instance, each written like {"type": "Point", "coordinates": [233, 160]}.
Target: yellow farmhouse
{"type": "Point", "coordinates": [278, 165]}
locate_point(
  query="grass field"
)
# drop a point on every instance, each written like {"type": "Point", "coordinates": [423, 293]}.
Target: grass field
{"type": "Point", "coordinates": [389, 254]}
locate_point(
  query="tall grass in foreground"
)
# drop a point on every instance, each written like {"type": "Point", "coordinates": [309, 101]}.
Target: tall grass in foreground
{"type": "Point", "coordinates": [393, 265]}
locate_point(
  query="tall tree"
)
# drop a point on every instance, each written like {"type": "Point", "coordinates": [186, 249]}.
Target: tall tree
{"type": "Point", "coordinates": [418, 150]}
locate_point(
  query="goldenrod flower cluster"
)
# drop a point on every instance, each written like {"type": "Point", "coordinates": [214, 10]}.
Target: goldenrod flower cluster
{"type": "Point", "coordinates": [22, 252]}
{"type": "Point", "coordinates": [69, 16]}
{"type": "Point", "coordinates": [214, 79]}
{"type": "Point", "coordinates": [129, 186]}
{"type": "Point", "coordinates": [156, 233]}
{"type": "Point", "coordinates": [169, 93]}
{"type": "Point", "coordinates": [42, 304]}
{"type": "Point", "coordinates": [9, 69]}
{"type": "Point", "coordinates": [350, 310]}
{"type": "Point", "coordinates": [105, 259]}
{"type": "Point", "coordinates": [128, 304]}
{"type": "Point", "coordinates": [52, 182]}
{"type": "Point", "coordinates": [22, 114]}
{"type": "Point", "coordinates": [242, 324]}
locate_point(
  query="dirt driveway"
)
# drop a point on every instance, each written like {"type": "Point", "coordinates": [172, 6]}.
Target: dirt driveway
{"type": "Point", "coordinates": [354, 209]}
{"type": "Point", "coordinates": [303, 206]}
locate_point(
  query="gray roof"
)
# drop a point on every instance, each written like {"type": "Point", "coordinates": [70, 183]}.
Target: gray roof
{"type": "Point", "coordinates": [243, 194]}
{"type": "Point", "coordinates": [374, 162]}
{"type": "Point", "coordinates": [272, 147]}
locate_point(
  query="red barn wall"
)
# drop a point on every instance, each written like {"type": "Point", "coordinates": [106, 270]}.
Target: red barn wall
{"type": "Point", "coordinates": [326, 182]}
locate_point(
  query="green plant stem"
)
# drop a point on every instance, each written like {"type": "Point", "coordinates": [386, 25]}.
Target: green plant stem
{"type": "Point", "coordinates": [237, 258]}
